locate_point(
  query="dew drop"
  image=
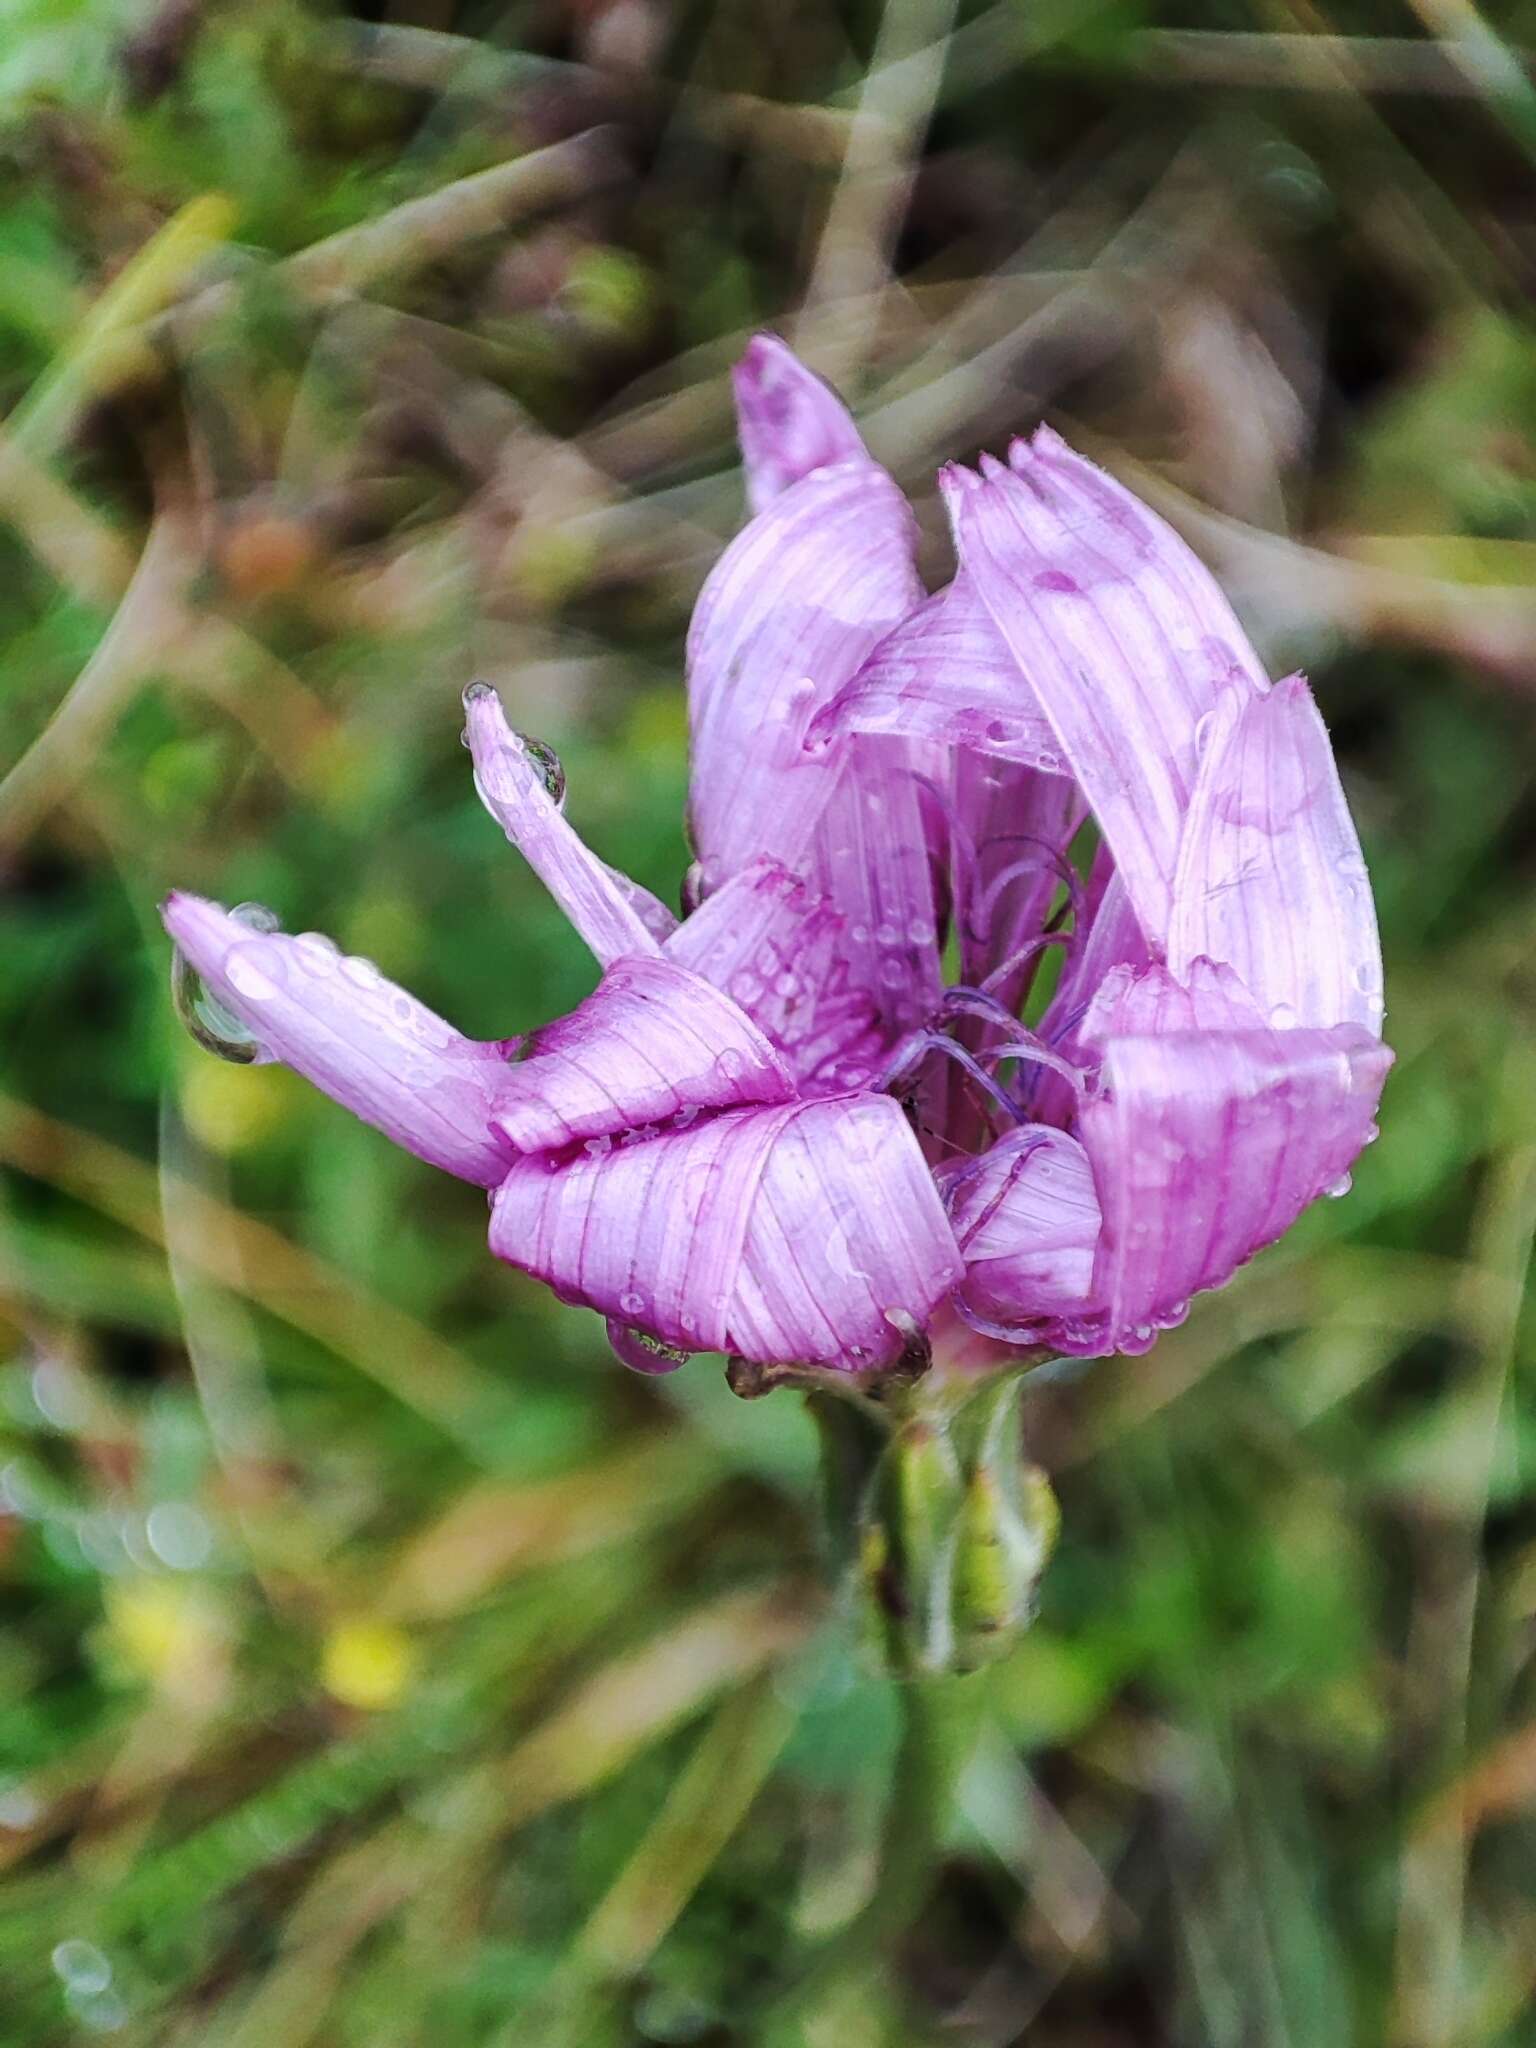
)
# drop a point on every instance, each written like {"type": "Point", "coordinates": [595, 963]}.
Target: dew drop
{"type": "Point", "coordinates": [82, 1966]}
{"type": "Point", "coordinates": [214, 1026]}
{"type": "Point", "coordinates": [547, 764]}
{"type": "Point", "coordinates": [1340, 1188]}
{"type": "Point", "coordinates": [1282, 1015]}
{"type": "Point", "coordinates": [360, 972]}
{"type": "Point", "coordinates": [476, 693]}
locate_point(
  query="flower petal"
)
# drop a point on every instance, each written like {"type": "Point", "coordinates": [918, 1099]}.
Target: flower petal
{"type": "Point", "coordinates": [1119, 633]}
{"type": "Point", "coordinates": [1026, 1218]}
{"type": "Point", "coordinates": [1133, 1002]}
{"type": "Point", "coordinates": [1270, 875]}
{"type": "Point", "coordinates": [945, 674]}
{"type": "Point", "coordinates": [782, 952]}
{"type": "Point", "coordinates": [788, 614]}
{"type": "Point", "coordinates": [600, 906]}
{"type": "Point", "coordinates": [788, 420]}
{"type": "Point", "coordinates": [784, 1234]}
{"type": "Point", "coordinates": [650, 1232]}
{"type": "Point", "coordinates": [1206, 1145]}
{"type": "Point", "coordinates": [847, 1247]}
{"type": "Point", "coordinates": [650, 1043]}
{"type": "Point", "coordinates": [870, 857]}
{"type": "Point", "coordinates": [368, 1044]}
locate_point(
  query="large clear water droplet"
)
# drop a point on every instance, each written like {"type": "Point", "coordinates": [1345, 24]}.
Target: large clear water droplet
{"type": "Point", "coordinates": [642, 1352]}
{"type": "Point", "coordinates": [548, 766]}
{"type": "Point", "coordinates": [217, 1029]}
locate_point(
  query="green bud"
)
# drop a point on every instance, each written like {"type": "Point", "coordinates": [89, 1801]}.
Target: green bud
{"type": "Point", "coordinates": [907, 1550]}
{"type": "Point", "coordinates": [1008, 1528]}
{"type": "Point", "coordinates": [955, 1533]}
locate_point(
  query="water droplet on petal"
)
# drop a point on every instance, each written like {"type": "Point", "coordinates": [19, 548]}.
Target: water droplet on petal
{"type": "Point", "coordinates": [215, 1027]}
{"type": "Point", "coordinates": [642, 1352]}
{"type": "Point", "coordinates": [362, 973]}
{"type": "Point", "coordinates": [548, 765]}
{"type": "Point", "coordinates": [1339, 1188]}
{"type": "Point", "coordinates": [1282, 1015]}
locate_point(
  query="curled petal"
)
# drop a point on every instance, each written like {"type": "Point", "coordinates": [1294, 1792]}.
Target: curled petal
{"type": "Point", "coordinates": [945, 674]}
{"type": "Point", "coordinates": [847, 1246]}
{"type": "Point", "coordinates": [601, 906]}
{"type": "Point", "coordinates": [788, 420]}
{"type": "Point", "coordinates": [650, 1043]}
{"type": "Point", "coordinates": [1270, 875]}
{"type": "Point", "coordinates": [366, 1043]}
{"type": "Point", "coordinates": [1206, 1146]}
{"type": "Point", "coordinates": [1026, 1218]}
{"type": "Point", "coordinates": [788, 614]}
{"type": "Point", "coordinates": [783, 1234]}
{"type": "Point", "coordinates": [782, 952]}
{"type": "Point", "coordinates": [1119, 633]}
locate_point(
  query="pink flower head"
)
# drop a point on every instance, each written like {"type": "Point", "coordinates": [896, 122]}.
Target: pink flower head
{"type": "Point", "coordinates": [772, 1130]}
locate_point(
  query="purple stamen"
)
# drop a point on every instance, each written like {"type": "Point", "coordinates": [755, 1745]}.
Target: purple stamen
{"type": "Point", "coordinates": [903, 1070]}
{"type": "Point", "coordinates": [1024, 955]}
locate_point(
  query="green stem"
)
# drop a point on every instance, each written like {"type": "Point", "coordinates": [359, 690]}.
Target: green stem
{"type": "Point", "coordinates": [937, 1727]}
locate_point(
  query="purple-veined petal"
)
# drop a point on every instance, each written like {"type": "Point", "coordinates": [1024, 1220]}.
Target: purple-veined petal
{"type": "Point", "coordinates": [649, 1232]}
{"type": "Point", "coordinates": [1206, 1146]}
{"type": "Point", "coordinates": [947, 675]}
{"type": "Point", "coordinates": [1120, 634]}
{"type": "Point", "coordinates": [1114, 941]}
{"type": "Point", "coordinates": [781, 951]}
{"type": "Point", "coordinates": [1151, 1002]}
{"type": "Point", "coordinates": [786, 1234]}
{"type": "Point", "coordinates": [789, 421]}
{"type": "Point", "coordinates": [870, 857]}
{"type": "Point", "coordinates": [847, 1244]}
{"type": "Point", "coordinates": [1026, 1218]}
{"type": "Point", "coordinates": [650, 1043]}
{"type": "Point", "coordinates": [512, 788]}
{"type": "Point", "coordinates": [366, 1043]}
{"type": "Point", "coordinates": [789, 612]}
{"type": "Point", "coordinates": [1270, 875]}
{"type": "Point", "coordinates": [658, 920]}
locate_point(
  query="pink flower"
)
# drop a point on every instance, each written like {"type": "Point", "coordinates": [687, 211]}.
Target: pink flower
{"type": "Point", "coordinates": [771, 1130]}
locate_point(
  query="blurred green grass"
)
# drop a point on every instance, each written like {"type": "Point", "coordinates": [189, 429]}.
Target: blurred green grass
{"type": "Point", "coordinates": [382, 1665]}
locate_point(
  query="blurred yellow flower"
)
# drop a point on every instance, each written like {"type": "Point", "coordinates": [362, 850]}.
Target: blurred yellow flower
{"type": "Point", "coordinates": [166, 1632]}
{"type": "Point", "coordinates": [367, 1663]}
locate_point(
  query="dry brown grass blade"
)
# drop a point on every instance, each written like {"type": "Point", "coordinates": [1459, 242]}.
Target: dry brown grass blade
{"type": "Point", "coordinates": [494, 1531]}
{"type": "Point", "coordinates": [639, 1698]}
{"type": "Point", "coordinates": [261, 1265]}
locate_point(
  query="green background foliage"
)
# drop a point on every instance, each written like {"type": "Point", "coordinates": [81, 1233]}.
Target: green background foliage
{"type": "Point", "coordinates": [382, 1665]}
